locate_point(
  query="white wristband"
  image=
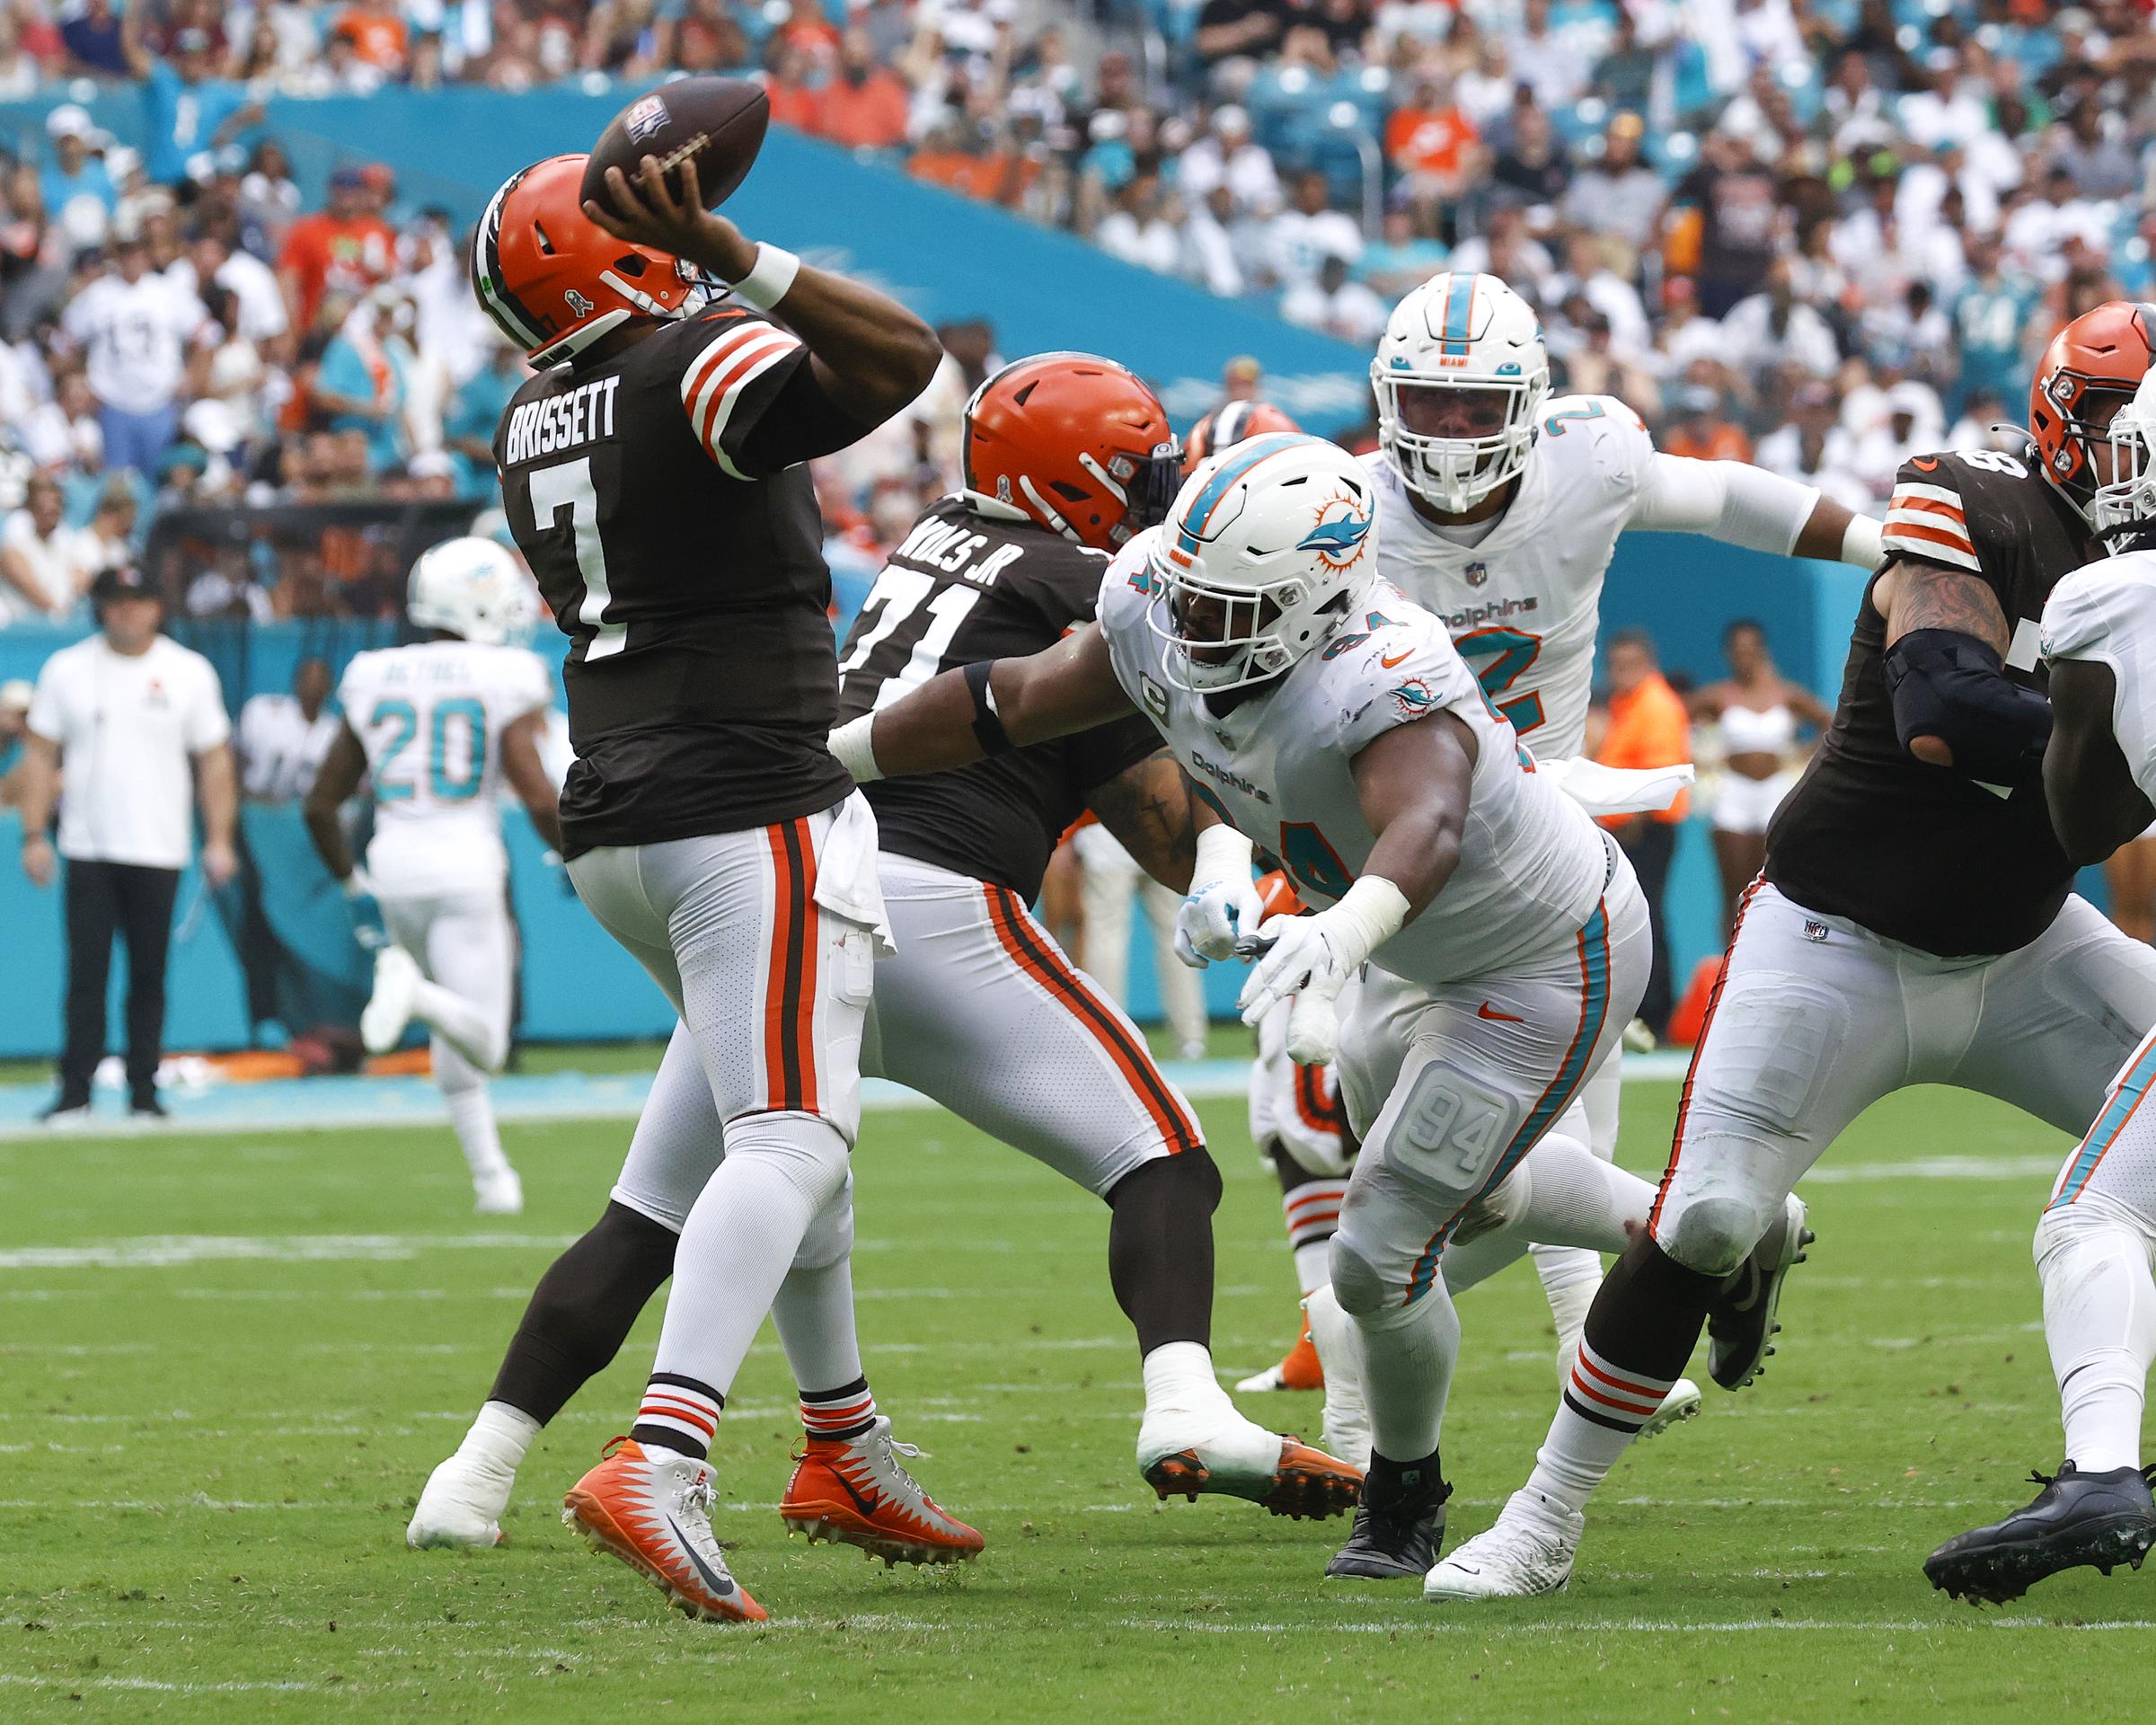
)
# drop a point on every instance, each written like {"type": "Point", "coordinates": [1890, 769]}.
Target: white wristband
{"type": "Point", "coordinates": [1373, 911]}
{"type": "Point", "coordinates": [1863, 542]}
{"type": "Point", "coordinates": [851, 747]}
{"type": "Point", "coordinates": [770, 281]}
{"type": "Point", "coordinates": [1223, 854]}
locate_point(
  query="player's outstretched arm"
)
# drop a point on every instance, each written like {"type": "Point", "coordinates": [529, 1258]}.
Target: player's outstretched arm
{"type": "Point", "coordinates": [1148, 807]}
{"type": "Point", "coordinates": [966, 715]}
{"type": "Point", "coordinates": [1743, 505]}
{"type": "Point", "coordinates": [341, 770]}
{"type": "Point", "coordinates": [2095, 805]}
{"type": "Point", "coordinates": [1946, 641]}
{"type": "Point", "coordinates": [521, 766]}
{"type": "Point", "coordinates": [870, 354]}
{"type": "Point", "coordinates": [1412, 785]}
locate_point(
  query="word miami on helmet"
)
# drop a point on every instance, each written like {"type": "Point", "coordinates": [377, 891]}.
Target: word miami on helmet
{"type": "Point", "coordinates": [1267, 548]}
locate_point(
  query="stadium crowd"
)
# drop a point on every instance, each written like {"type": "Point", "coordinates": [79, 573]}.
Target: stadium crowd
{"type": "Point", "coordinates": [1817, 233]}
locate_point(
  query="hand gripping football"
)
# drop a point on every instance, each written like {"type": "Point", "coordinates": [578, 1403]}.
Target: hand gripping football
{"type": "Point", "coordinates": [717, 122]}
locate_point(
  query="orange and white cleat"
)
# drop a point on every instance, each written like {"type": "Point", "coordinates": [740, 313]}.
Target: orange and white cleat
{"type": "Point", "coordinates": [656, 1515]}
{"type": "Point", "coordinates": [1299, 1370]}
{"type": "Point", "coordinates": [1220, 1451]}
{"type": "Point", "coordinates": [856, 1490]}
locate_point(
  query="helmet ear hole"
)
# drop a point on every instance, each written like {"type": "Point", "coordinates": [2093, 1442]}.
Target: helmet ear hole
{"type": "Point", "coordinates": [546, 244]}
{"type": "Point", "coordinates": [630, 265]}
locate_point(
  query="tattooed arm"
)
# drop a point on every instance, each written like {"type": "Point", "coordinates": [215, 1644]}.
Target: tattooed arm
{"type": "Point", "coordinates": [1946, 640]}
{"type": "Point", "coordinates": [1148, 808]}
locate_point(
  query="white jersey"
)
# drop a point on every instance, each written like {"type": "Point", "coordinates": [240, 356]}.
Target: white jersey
{"type": "Point", "coordinates": [2107, 612]}
{"type": "Point", "coordinates": [1522, 604]}
{"type": "Point", "coordinates": [432, 717]}
{"type": "Point", "coordinates": [1277, 767]}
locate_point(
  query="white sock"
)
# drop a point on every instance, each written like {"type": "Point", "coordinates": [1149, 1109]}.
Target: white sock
{"type": "Point", "coordinates": [1178, 1377]}
{"type": "Point", "coordinates": [1602, 1411]}
{"type": "Point", "coordinates": [741, 1238]}
{"type": "Point", "coordinates": [1313, 1265]}
{"type": "Point", "coordinates": [473, 1033]}
{"type": "Point", "coordinates": [498, 1437]}
{"type": "Point", "coordinates": [471, 1114]}
{"type": "Point", "coordinates": [2099, 1321]}
{"type": "Point", "coordinates": [1567, 1195]}
{"type": "Point", "coordinates": [814, 1313]}
{"type": "Point", "coordinates": [1408, 1355]}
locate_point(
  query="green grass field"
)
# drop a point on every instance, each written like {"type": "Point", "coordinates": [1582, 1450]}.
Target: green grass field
{"type": "Point", "coordinates": [226, 1365]}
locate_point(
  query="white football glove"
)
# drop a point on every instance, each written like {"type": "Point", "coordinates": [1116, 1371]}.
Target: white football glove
{"type": "Point", "coordinates": [1311, 959]}
{"type": "Point", "coordinates": [1222, 906]}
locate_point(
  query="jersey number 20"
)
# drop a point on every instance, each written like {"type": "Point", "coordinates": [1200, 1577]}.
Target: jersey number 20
{"type": "Point", "coordinates": [441, 784]}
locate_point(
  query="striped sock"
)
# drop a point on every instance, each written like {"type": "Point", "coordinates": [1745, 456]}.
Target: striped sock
{"type": "Point", "coordinates": [679, 1414]}
{"type": "Point", "coordinates": [1603, 1408]}
{"type": "Point", "coordinates": [836, 1416]}
{"type": "Point", "coordinates": [1312, 1210]}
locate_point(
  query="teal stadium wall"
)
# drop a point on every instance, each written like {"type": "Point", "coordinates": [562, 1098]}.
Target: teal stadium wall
{"type": "Point", "coordinates": [948, 258]}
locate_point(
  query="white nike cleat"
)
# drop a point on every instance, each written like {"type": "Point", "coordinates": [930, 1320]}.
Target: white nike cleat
{"type": "Point", "coordinates": [462, 1505]}
{"type": "Point", "coordinates": [654, 1512]}
{"type": "Point", "coordinates": [1681, 1403]}
{"type": "Point", "coordinates": [1340, 1345]}
{"type": "Point", "coordinates": [389, 1007]}
{"type": "Point", "coordinates": [501, 1193]}
{"type": "Point", "coordinates": [1217, 1450]}
{"type": "Point", "coordinates": [1529, 1549]}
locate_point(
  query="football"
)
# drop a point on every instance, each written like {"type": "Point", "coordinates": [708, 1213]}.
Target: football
{"type": "Point", "coordinates": [717, 123]}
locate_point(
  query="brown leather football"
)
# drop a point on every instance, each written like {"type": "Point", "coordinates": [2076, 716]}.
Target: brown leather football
{"type": "Point", "coordinates": [718, 122]}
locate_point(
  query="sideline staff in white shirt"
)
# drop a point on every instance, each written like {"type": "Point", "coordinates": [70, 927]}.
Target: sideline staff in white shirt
{"type": "Point", "coordinates": [283, 738]}
{"type": "Point", "coordinates": [129, 711]}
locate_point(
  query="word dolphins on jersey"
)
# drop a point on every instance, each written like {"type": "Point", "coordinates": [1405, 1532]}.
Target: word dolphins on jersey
{"type": "Point", "coordinates": [582, 415]}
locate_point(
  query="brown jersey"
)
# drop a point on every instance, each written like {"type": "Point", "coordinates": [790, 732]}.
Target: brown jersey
{"type": "Point", "coordinates": [960, 588]}
{"type": "Point", "coordinates": [688, 573]}
{"type": "Point", "coordinates": [1922, 855]}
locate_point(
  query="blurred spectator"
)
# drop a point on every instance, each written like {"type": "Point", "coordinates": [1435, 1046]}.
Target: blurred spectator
{"type": "Point", "coordinates": [1403, 257]}
{"type": "Point", "coordinates": [15, 695]}
{"type": "Point", "coordinates": [1335, 305]}
{"type": "Point", "coordinates": [142, 333]}
{"type": "Point", "coordinates": [188, 108]}
{"type": "Point", "coordinates": [1814, 449]}
{"type": "Point", "coordinates": [282, 737]}
{"type": "Point", "coordinates": [865, 106]}
{"type": "Point", "coordinates": [1301, 238]}
{"type": "Point", "coordinates": [1619, 197]}
{"type": "Point", "coordinates": [1647, 727]}
{"type": "Point", "coordinates": [91, 35]}
{"type": "Point", "coordinates": [1701, 430]}
{"type": "Point", "coordinates": [345, 249]}
{"type": "Point", "coordinates": [1733, 194]}
{"type": "Point", "coordinates": [46, 566]}
{"type": "Point", "coordinates": [1432, 145]}
{"type": "Point", "coordinates": [1225, 154]}
{"type": "Point", "coordinates": [75, 187]}
{"type": "Point", "coordinates": [1138, 229]}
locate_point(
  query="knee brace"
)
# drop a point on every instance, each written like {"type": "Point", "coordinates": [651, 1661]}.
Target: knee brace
{"type": "Point", "coordinates": [1713, 1234]}
{"type": "Point", "coordinates": [1357, 1284]}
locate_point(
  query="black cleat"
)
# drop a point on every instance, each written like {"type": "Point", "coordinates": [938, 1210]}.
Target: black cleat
{"type": "Point", "coordinates": [2098, 1519]}
{"type": "Point", "coordinates": [146, 1107]}
{"type": "Point", "coordinates": [1399, 1525]}
{"type": "Point", "coordinates": [64, 1110]}
{"type": "Point", "coordinates": [1740, 1323]}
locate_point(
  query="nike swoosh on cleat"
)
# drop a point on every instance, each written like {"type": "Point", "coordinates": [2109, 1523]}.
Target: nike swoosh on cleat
{"type": "Point", "coordinates": [722, 1586]}
{"type": "Point", "coordinates": [1487, 1010]}
{"type": "Point", "coordinates": [868, 1505]}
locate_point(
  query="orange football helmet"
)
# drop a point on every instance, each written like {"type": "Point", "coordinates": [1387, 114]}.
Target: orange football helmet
{"type": "Point", "coordinates": [553, 280]}
{"type": "Point", "coordinates": [1074, 442]}
{"type": "Point", "coordinates": [1229, 425]}
{"type": "Point", "coordinates": [2100, 359]}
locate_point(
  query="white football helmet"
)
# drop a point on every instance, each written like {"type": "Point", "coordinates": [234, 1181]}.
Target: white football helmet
{"type": "Point", "coordinates": [1460, 376]}
{"type": "Point", "coordinates": [472, 587]}
{"type": "Point", "coordinates": [2129, 500]}
{"type": "Point", "coordinates": [1265, 550]}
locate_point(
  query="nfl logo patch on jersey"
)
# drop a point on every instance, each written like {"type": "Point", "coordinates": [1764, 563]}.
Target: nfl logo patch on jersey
{"type": "Point", "coordinates": [1477, 573]}
{"type": "Point", "coordinates": [1816, 932]}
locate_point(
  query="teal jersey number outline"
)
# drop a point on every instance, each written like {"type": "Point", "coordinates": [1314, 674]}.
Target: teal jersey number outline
{"type": "Point", "coordinates": [475, 713]}
{"type": "Point", "coordinates": [387, 790]}
{"type": "Point", "coordinates": [1516, 651]}
{"type": "Point", "coordinates": [406, 717]}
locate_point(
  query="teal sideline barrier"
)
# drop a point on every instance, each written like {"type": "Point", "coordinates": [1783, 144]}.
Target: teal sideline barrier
{"type": "Point", "coordinates": [579, 986]}
{"type": "Point", "coordinates": [946, 257]}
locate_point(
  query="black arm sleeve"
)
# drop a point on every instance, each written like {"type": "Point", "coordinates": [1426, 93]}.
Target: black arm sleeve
{"type": "Point", "coordinates": [1952, 686]}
